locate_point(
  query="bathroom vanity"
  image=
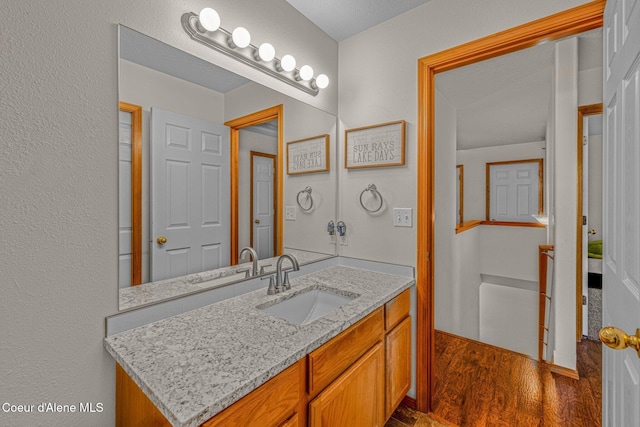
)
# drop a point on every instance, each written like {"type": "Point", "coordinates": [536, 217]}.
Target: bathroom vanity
{"type": "Point", "coordinates": [235, 363]}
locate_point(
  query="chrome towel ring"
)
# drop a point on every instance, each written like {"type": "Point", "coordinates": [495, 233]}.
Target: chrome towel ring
{"type": "Point", "coordinates": [309, 199]}
{"type": "Point", "coordinates": [376, 194]}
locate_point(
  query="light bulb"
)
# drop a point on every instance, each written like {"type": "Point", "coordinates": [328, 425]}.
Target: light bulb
{"type": "Point", "coordinates": [287, 63]}
{"type": "Point", "coordinates": [240, 37]}
{"type": "Point", "coordinates": [266, 52]}
{"type": "Point", "coordinates": [306, 73]}
{"type": "Point", "coordinates": [322, 81]}
{"type": "Point", "coordinates": [209, 19]}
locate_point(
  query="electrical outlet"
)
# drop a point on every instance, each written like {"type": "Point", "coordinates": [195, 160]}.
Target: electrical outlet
{"type": "Point", "coordinates": [290, 213]}
{"type": "Point", "coordinates": [402, 217]}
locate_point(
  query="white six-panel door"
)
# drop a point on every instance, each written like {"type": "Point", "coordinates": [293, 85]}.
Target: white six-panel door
{"type": "Point", "coordinates": [621, 213]}
{"type": "Point", "coordinates": [189, 195]}
{"type": "Point", "coordinates": [263, 205]}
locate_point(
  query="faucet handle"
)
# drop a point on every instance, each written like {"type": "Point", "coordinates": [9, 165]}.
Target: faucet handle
{"type": "Point", "coordinates": [286, 285]}
{"type": "Point", "coordinates": [262, 267]}
{"type": "Point", "coordinates": [271, 290]}
{"type": "Point", "coordinates": [246, 271]}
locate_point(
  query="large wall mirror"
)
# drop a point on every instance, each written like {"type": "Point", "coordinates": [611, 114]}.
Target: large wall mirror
{"type": "Point", "coordinates": [179, 177]}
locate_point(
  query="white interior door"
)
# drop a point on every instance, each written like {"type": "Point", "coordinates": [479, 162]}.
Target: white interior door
{"type": "Point", "coordinates": [585, 225]}
{"type": "Point", "coordinates": [124, 201]}
{"type": "Point", "coordinates": [189, 195]}
{"type": "Point", "coordinates": [621, 208]}
{"type": "Point", "coordinates": [263, 204]}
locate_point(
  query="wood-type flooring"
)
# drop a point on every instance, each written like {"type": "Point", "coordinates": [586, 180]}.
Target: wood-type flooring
{"type": "Point", "coordinates": [482, 385]}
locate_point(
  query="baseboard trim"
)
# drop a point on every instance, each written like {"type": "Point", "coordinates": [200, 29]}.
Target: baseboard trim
{"type": "Point", "coordinates": [410, 402]}
{"type": "Point", "coordinates": [565, 372]}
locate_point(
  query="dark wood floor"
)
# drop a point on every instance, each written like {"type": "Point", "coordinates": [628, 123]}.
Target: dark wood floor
{"type": "Point", "coordinates": [481, 385]}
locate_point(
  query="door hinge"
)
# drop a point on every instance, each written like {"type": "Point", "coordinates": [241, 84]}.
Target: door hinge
{"type": "Point", "coordinates": [584, 220]}
{"type": "Point", "coordinates": [585, 140]}
{"type": "Point", "coordinates": [584, 300]}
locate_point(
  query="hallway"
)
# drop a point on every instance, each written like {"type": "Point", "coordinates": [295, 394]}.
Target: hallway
{"type": "Point", "coordinates": [481, 385]}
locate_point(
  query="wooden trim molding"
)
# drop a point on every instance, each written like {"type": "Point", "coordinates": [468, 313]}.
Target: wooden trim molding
{"type": "Point", "coordinates": [585, 110]}
{"type": "Point", "coordinates": [543, 251]}
{"type": "Point", "coordinates": [275, 199]}
{"type": "Point", "coordinates": [573, 21]}
{"type": "Point", "coordinates": [514, 224]}
{"type": "Point", "coordinates": [468, 225]}
{"type": "Point", "coordinates": [136, 190]}
{"type": "Point", "coordinates": [273, 113]}
{"type": "Point", "coordinates": [565, 372]}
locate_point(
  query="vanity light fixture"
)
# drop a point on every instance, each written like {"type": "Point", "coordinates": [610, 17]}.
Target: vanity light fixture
{"type": "Point", "coordinates": [205, 28]}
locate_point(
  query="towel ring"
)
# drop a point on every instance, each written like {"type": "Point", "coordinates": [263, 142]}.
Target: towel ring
{"type": "Point", "coordinates": [307, 190]}
{"type": "Point", "coordinates": [376, 193]}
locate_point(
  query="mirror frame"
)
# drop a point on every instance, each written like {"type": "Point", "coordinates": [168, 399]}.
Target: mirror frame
{"type": "Point", "coordinates": [266, 115]}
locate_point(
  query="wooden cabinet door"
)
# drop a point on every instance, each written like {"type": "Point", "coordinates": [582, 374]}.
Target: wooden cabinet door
{"type": "Point", "coordinates": [356, 398]}
{"type": "Point", "coordinates": [398, 365]}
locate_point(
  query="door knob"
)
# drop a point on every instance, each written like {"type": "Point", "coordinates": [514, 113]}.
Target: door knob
{"type": "Point", "coordinates": [257, 221]}
{"type": "Point", "coordinates": [618, 340]}
{"type": "Point", "coordinates": [161, 240]}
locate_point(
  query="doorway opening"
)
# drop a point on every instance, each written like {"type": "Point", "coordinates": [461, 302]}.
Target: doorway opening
{"type": "Point", "coordinates": [267, 115]}
{"type": "Point", "coordinates": [571, 22]}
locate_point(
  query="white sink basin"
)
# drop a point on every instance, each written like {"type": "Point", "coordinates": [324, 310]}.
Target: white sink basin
{"type": "Point", "coordinates": [308, 306]}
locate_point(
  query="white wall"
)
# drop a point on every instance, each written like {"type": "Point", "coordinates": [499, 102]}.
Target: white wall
{"type": "Point", "coordinates": [565, 151]}
{"type": "Point", "coordinates": [594, 213]}
{"type": "Point", "coordinates": [510, 251]}
{"type": "Point", "coordinates": [58, 167]}
{"type": "Point", "coordinates": [475, 171]}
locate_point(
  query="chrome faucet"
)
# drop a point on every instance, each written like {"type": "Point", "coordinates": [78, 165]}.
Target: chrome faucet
{"type": "Point", "coordinates": [254, 258]}
{"type": "Point", "coordinates": [282, 284]}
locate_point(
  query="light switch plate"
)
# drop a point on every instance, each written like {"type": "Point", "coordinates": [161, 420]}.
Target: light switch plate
{"type": "Point", "coordinates": [403, 217]}
{"type": "Point", "coordinates": [290, 213]}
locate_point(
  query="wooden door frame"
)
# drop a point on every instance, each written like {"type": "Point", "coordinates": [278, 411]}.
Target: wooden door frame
{"type": "Point", "coordinates": [266, 115]}
{"type": "Point", "coordinates": [570, 22]}
{"type": "Point", "coordinates": [583, 111]}
{"type": "Point", "coordinates": [275, 207]}
{"type": "Point", "coordinates": [136, 190]}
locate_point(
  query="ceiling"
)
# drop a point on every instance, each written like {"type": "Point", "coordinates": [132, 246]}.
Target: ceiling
{"type": "Point", "coordinates": [505, 100]}
{"type": "Point", "coordinates": [342, 19]}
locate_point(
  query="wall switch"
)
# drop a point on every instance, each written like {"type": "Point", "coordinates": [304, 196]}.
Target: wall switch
{"type": "Point", "coordinates": [402, 217]}
{"type": "Point", "coordinates": [290, 213]}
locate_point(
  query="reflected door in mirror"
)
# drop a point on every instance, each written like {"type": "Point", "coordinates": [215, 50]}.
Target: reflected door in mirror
{"type": "Point", "coordinates": [263, 204]}
{"type": "Point", "coordinates": [189, 196]}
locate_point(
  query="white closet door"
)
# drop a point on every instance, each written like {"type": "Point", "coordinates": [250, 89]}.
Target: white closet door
{"type": "Point", "coordinates": [189, 195]}
{"type": "Point", "coordinates": [621, 212]}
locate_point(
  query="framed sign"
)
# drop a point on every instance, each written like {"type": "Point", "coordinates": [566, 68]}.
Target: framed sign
{"type": "Point", "coordinates": [308, 155]}
{"type": "Point", "coordinates": [375, 146]}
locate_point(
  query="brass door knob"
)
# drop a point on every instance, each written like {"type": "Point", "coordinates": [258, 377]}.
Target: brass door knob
{"type": "Point", "coordinates": [617, 339]}
{"type": "Point", "coordinates": [161, 240]}
{"type": "Point", "coordinates": [257, 221]}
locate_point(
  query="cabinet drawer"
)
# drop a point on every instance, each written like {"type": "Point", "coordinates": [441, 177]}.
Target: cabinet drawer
{"type": "Point", "coordinates": [268, 405]}
{"type": "Point", "coordinates": [396, 310]}
{"type": "Point", "coordinates": [330, 360]}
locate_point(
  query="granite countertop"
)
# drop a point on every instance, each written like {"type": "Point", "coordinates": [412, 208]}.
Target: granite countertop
{"type": "Point", "coordinates": [196, 364]}
{"type": "Point", "coordinates": [148, 293]}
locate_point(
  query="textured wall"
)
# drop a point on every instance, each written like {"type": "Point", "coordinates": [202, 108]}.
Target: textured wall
{"type": "Point", "coordinates": [58, 198]}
